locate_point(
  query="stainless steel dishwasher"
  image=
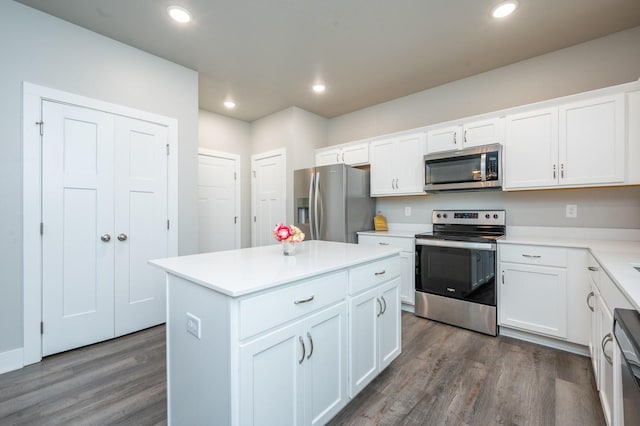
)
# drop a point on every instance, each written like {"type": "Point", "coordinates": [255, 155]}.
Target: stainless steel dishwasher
{"type": "Point", "coordinates": [626, 328]}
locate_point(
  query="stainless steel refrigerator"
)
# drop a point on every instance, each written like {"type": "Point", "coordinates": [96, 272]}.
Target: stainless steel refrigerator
{"type": "Point", "coordinates": [333, 202]}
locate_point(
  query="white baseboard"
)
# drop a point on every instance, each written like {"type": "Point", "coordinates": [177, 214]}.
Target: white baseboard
{"type": "Point", "coordinates": [10, 360]}
{"type": "Point", "coordinates": [545, 341]}
{"type": "Point", "coordinates": [408, 308]}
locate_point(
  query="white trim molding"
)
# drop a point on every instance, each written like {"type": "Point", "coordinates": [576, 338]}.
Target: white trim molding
{"type": "Point", "coordinates": [33, 96]}
{"type": "Point", "coordinates": [10, 360]}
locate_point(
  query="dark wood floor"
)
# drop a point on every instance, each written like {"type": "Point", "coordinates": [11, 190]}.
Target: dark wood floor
{"type": "Point", "coordinates": [445, 376]}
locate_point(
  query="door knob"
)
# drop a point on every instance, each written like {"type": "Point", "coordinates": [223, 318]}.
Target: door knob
{"type": "Point", "coordinates": [122, 237]}
{"type": "Point", "coordinates": [106, 238]}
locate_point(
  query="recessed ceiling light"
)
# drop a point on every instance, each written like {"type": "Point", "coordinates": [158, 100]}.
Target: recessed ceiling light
{"type": "Point", "coordinates": [319, 88]}
{"type": "Point", "coordinates": [179, 14]}
{"type": "Point", "coordinates": [229, 104]}
{"type": "Point", "coordinates": [505, 8]}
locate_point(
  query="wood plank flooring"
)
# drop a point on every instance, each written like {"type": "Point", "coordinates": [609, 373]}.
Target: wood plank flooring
{"type": "Point", "coordinates": [445, 376]}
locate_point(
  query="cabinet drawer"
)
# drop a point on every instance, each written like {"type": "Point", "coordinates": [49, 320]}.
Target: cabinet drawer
{"type": "Point", "coordinates": [372, 274]}
{"type": "Point", "coordinates": [405, 244]}
{"type": "Point", "coordinates": [260, 313]}
{"type": "Point", "coordinates": [534, 255]}
{"type": "Point", "coordinates": [611, 294]}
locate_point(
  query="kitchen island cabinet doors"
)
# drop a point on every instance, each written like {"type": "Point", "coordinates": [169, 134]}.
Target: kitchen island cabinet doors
{"type": "Point", "coordinates": [296, 375]}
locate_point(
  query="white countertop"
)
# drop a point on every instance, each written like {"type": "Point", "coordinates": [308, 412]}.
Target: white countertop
{"type": "Point", "coordinates": [617, 258]}
{"type": "Point", "coordinates": [244, 271]}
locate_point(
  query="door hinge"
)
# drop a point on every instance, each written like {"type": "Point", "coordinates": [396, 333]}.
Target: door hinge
{"type": "Point", "coordinates": [41, 228]}
{"type": "Point", "coordinates": [41, 124]}
{"type": "Point", "coordinates": [235, 176]}
{"type": "Point", "coordinates": [168, 224]}
{"type": "Point", "coordinates": [254, 173]}
{"type": "Point", "coordinates": [41, 327]}
{"type": "Point", "coordinates": [168, 149]}
{"type": "Point", "coordinates": [254, 219]}
{"type": "Point", "coordinates": [235, 219]}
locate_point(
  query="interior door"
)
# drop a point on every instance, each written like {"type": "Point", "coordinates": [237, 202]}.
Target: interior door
{"type": "Point", "coordinates": [218, 219]}
{"type": "Point", "coordinates": [77, 213]}
{"type": "Point", "coordinates": [141, 231]}
{"type": "Point", "coordinates": [268, 188]}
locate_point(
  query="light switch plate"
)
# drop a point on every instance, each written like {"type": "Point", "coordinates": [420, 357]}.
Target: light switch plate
{"type": "Point", "coordinates": [193, 325]}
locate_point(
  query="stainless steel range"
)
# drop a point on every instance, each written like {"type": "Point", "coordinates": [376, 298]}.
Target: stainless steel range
{"type": "Point", "coordinates": [456, 268]}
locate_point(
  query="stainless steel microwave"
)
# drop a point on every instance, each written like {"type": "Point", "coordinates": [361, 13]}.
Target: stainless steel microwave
{"type": "Point", "coordinates": [471, 169]}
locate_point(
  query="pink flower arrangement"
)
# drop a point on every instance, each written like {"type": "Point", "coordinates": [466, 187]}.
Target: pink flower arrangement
{"type": "Point", "coordinates": [291, 233]}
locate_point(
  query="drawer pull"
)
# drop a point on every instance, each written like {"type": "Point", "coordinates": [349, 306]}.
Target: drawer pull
{"type": "Point", "coordinates": [383, 244]}
{"type": "Point", "coordinates": [308, 299]}
{"type": "Point", "coordinates": [381, 273]}
{"type": "Point", "coordinates": [593, 269]}
{"type": "Point", "coordinates": [589, 296]}
{"type": "Point", "coordinates": [532, 256]}
{"type": "Point", "coordinates": [304, 350]}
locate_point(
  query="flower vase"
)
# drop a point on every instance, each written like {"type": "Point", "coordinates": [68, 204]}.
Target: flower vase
{"type": "Point", "coordinates": [288, 248]}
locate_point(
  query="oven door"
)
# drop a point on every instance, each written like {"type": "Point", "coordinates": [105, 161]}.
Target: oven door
{"type": "Point", "coordinates": [456, 269]}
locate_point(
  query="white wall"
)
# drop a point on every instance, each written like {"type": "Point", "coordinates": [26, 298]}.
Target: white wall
{"type": "Point", "coordinates": [44, 50]}
{"type": "Point", "coordinates": [234, 136]}
{"type": "Point", "coordinates": [602, 62]}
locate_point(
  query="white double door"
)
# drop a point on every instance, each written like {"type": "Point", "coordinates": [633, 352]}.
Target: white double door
{"type": "Point", "coordinates": [104, 214]}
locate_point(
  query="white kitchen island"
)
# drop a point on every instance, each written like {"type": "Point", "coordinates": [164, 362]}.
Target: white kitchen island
{"type": "Point", "coordinates": [258, 338]}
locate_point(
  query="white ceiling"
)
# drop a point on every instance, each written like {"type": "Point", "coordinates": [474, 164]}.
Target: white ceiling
{"type": "Point", "coordinates": [266, 54]}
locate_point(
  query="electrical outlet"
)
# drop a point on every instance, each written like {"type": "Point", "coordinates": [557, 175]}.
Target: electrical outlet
{"type": "Point", "coordinates": [407, 211]}
{"type": "Point", "coordinates": [193, 325]}
{"type": "Point", "coordinates": [571, 210]}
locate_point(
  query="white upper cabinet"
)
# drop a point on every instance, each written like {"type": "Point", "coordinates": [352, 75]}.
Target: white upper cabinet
{"type": "Point", "coordinates": [592, 141]}
{"type": "Point", "coordinates": [577, 144]}
{"type": "Point", "coordinates": [396, 165]}
{"type": "Point", "coordinates": [467, 135]}
{"type": "Point", "coordinates": [352, 155]}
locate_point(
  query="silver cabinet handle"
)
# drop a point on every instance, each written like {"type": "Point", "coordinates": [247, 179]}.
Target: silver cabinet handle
{"type": "Point", "coordinates": [562, 171]}
{"type": "Point", "coordinates": [308, 299]}
{"type": "Point", "coordinates": [455, 138]}
{"type": "Point", "coordinates": [465, 136]}
{"type": "Point", "coordinates": [304, 350]}
{"type": "Point", "coordinates": [343, 157]}
{"type": "Point", "coordinates": [384, 244]}
{"type": "Point", "coordinates": [337, 157]}
{"type": "Point", "coordinates": [380, 273]}
{"type": "Point", "coordinates": [589, 296]}
{"type": "Point", "coordinates": [106, 238]}
{"type": "Point", "coordinates": [311, 343]}
{"type": "Point", "coordinates": [532, 256]}
{"type": "Point", "coordinates": [554, 171]}
{"type": "Point", "coordinates": [503, 277]}
{"type": "Point", "coordinates": [593, 269]}
{"type": "Point", "coordinates": [385, 305]}
{"type": "Point", "coordinates": [122, 237]}
{"type": "Point", "coordinates": [606, 339]}
{"type": "Point", "coordinates": [380, 306]}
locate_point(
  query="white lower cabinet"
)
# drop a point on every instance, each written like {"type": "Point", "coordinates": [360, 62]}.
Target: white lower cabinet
{"type": "Point", "coordinates": [606, 357]}
{"type": "Point", "coordinates": [374, 326]}
{"type": "Point", "coordinates": [407, 260]}
{"type": "Point", "coordinates": [296, 375]}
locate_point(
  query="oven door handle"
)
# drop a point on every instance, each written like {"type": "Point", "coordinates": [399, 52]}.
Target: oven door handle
{"type": "Point", "coordinates": [456, 244]}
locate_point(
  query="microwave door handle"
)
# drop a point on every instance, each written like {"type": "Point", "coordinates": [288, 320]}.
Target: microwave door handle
{"type": "Point", "coordinates": [483, 166]}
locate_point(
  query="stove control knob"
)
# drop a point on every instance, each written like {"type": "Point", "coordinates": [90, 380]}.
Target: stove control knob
{"type": "Point", "coordinates": [495, 216]}
{"type": "Point", "coordinates": [444, 215]}
{"type": "Point", "coordinates": [438, 215]}
{"type": "Point", "coordinates": [488, 216]}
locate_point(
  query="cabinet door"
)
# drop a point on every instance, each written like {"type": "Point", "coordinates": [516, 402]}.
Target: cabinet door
{"type": "Point", "coordinates": [407, 277]}
{"type": "Point", "coordinates": [592, 141]}
{"type": "Point", "coordinates": [356, 154]}
{"type": "Point", "coordinates": [534, 298]}
{"type": "Point", "coordinates": [408, 163]}
{"type": "Point", "coordinates": [483, 132]}
{"type": "Point", "coordinates": [389, 323]}
{"type": "Point", "coordinates": [383, 167]}
{"type": "Point", "coordinates": [272, 379]}
{"type": "Point", "coordinates": [363, 344]}
{"type": "Point", "coordinates": [325, 158]}
{"type": "Point", "coordinates": [444, 139]}
{"type": "Point", "coordinates": [531, 149]}
{"type": "Point", "coordinates": [592, 301]}
{"type": "Point", "coordinates": [325, 364]}
{"type": "Point", "coordinates": [607, 353]}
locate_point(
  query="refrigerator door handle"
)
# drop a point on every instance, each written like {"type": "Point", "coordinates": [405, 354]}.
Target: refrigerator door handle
{"type": "Point", "coordinates": [315, 207]}
{"type": "Point", "coordinates": [311, 191]}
